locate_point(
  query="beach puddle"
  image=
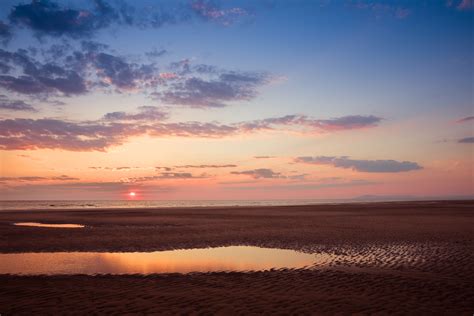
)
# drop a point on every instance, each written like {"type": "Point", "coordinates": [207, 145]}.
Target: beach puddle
{"type": "Point", "coordinates": [33, 224]}
{"type": "Point", "coordinates": [233, 258]}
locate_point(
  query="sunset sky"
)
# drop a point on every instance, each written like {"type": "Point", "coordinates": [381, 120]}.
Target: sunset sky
{"type": "Point", "coordinates": [235, 99]}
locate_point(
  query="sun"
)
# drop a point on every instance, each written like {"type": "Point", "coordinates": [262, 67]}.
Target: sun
{"type": "Point", "coordinates": [132, 194]}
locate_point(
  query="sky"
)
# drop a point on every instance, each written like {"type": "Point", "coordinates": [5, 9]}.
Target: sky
{"type": "Point", "coordinates": [236, 100]}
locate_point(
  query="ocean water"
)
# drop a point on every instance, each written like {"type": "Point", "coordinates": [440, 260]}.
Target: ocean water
{"type": "Point", "coordinates": [84, 204]}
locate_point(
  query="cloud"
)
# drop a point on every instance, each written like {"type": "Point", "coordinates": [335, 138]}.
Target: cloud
{"type": "Point", "coordinates": [45, 17]}
{"type": "Point", "coordinates": [146, 113]}
{"type": "Point", "coordinates": [218, 92]}
{"type": "Point", "coordinates": [165, 176]}
{"type": "Point", "coordinates": [38, 78]}
{"type": "Point", "coordinates": [260, 173]}
{"type": "Point", "coordinates": [206, 166]}
{"type": "Point", "coordinates": [303, 186]}
{"type": "Point", "coordinates": [15, 105]}
{"type": "Point", "coordinates": [5, 33]}
{"type": "Point", "coordinates": [23, 134]}
{"type": "Point", "coordinates": [466, 140]}
{"type": "Point", "coordinates": [84, 190]}
{"type": "Point", "coordinates": [65, 71]}
{"type": "Point", "coordinates": [117, 127]}
{"type": "Point", "coordinates": [88, 66]}
{"type": "Point", "coordinates": [36, 178]}
{"type": "Point", "coordinates": [465, 119]}
{"type": "Point", "coordinates": [377, 166]}
{"type": "Point", "coordinates": [48, 18]}
{"type": "Point", "coordinates": [264, 157]}
{"type": "Point", "coordinates": [382, 9]}
{"type": "Point", "coordinates": [156, 53]}
{"type": "Point", "coordinates": [303, 121]}
{"type": "Point", "coordinates": [465, 5]}
{"type": "Point", "coordinates": [122, 168]}
{"type": "Point", "coordinates": [209, 11]}
{"type": "Point", "coordinates": [116, 71]}
{"type": "Point", "coordinates": [460, 4]}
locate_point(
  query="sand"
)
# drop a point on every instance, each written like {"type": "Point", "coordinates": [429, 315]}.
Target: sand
{"type": "Point", "coordinates": [398, 257]}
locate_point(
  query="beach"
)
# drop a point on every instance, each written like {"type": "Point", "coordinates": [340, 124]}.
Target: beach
{"type": "Point", "coordinates": [385, 257]}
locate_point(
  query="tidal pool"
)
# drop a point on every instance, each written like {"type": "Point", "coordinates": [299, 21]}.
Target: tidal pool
{"type": "Point", "coordinates": [33, 224]}
{"type": "Point", "coordinates": [232, 258]}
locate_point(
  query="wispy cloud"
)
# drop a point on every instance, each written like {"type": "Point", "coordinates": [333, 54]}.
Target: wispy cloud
{"type": "Point", "coordinates": [376, 166]}
{"type": "Point", "coordinates": [466, 140]}
{"type": "Point", "coordinates": [206, 166]}
{"type": "Point", "coordinates": [37, 178]}
{"type": "Point", "coordinates": [165, 176]}
{"type": "Point", "coordinates": [146, 113]}
{"type": "Point", "coordinates": [260, 173]}
{"type": "Point", "coordinates": [380, 9]}
{"type": "Point", "coordinates": [211, 12]}
{"type": "Point", "coordinates": [460, 4]}
{"type": "Point", "coordinates": [316, 185]}
{"type": "Point", "coordinates": [29, 134]}
{"type": "Point", "coordinates": [15, 105]}
{"type": "Point", "coordinates": [465, 119]}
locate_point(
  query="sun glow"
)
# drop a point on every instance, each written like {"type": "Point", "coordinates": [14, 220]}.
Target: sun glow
{"type": "Point", "coordinates": [132, 194]}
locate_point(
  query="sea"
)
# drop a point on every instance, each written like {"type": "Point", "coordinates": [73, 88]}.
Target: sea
{"type": "Point", "coordinates": [8, 205]}
{"type": "Point", "coordinates": [118, 204]}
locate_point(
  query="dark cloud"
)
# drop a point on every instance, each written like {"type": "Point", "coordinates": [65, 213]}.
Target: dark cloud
{"type": "Point", "coordinates": [466, 119]}
{"type": "Point", "coordinates": [15, 105]}
{"type": "Point", "coordinates": [36, 77]}
{"type": "Point", "coordinates": [117, 127]}
{"type": "Point", "coordinates": [45, 17]}
{"type": "Point", "coordinates": [5, 32]}
{"type": "Point", "coordinates": [466, 140]}
{"type": "Point", "coordinates": [260, 173]}
{"type": "Point", "coordinates": [35, 178]}
{"type": "Point", "coordinates": [64, 71]}
{"type": "Point", "coordinates": [49, 18]}
{"type": "Point", "coordinates": [217, 92]}
{"type": "Point", "coordinates": [361, 165]}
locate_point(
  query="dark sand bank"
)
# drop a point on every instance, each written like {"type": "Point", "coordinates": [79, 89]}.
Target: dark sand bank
{"type": "Point", "coordinates": [400, 257]}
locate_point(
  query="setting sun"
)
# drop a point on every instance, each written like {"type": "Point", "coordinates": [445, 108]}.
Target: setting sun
{"type": "Point", "coordinates": [132, 194]}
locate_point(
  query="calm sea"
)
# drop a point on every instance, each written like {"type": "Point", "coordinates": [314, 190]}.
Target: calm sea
{"type": "Point", "coordinates": [61, 205]}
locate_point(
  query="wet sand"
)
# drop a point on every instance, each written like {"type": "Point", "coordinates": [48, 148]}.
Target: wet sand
{"type": "Point", "coordinates": [398, 257]}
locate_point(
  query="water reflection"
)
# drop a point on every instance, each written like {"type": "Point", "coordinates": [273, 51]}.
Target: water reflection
{"type": "Point", "coordinates": [33, 224]}
{"type": "Point", "coordinates": [233, 258]}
